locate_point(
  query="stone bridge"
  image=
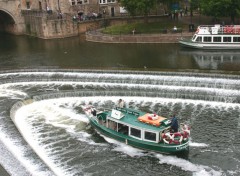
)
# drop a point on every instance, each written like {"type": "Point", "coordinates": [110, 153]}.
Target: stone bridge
{"type": "Point", "coordinates": [11, 20]}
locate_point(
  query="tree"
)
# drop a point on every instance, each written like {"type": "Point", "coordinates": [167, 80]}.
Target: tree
{"type": "Point", "coordinates": [221, 8]}
{"type": "Point", "coordinates": [141, 7]}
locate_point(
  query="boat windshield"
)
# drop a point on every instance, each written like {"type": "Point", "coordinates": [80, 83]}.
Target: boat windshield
{"type": "Point", "coordinates": [194, 37]}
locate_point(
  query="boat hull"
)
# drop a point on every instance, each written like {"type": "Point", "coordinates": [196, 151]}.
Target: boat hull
{"type": "Point", "coordinates": [209, 46]}
{"type": "Point", "coordinates": [157, 147]}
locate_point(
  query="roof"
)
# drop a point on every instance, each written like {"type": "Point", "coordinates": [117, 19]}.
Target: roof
{"type": "Point", "coordinates": [131, 119]}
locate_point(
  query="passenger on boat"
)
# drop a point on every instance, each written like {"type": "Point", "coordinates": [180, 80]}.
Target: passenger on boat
{"type": "Point", "coordinates": [174, 124]}
{"type": "Point", "coordinates": [121, 103]}
{"type": "Point", "coordinates": [93, 111]}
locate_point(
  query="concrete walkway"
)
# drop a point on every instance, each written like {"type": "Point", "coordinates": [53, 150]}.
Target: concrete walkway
{"type": "Point", "coordinates": [97, 36]}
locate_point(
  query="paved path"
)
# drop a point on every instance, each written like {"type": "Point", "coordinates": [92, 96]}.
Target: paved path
{"type": "Point", "coordinates": [97, 36]}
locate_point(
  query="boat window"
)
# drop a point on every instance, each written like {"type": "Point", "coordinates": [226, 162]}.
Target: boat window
{"type": "Point", "coordinates": [199, 39]}
{"type": "Point", "coordinates": [123, 128]}
{"type": "Point", "coordinates": [207, 39]}
{"type": "Point", "coordinates": [236, 39]}
{"type": "Point", "coordinates": [112, 125]}
{"type": "Point", "coordinates": [227, 39]}
{"type": "Point", "coordinates": [217, 39]}
{"type": "Point", "coordinates": [150, 136]}
{"type": "Point", "coordinates": [135, 132]}
{"type": "Point", "coordinates": [194, 37]}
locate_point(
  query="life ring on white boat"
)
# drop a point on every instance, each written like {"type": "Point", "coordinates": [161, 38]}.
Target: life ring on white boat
{"type": "Point", "coordinates": [185, 131]}
{"type": "Point", "coordinates": [167, 138]}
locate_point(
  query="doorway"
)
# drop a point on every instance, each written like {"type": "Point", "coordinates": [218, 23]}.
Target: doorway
{"type": "Point", "coordinates": [112, 11]}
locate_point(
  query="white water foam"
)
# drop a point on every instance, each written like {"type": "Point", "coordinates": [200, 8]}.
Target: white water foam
{"type": "Point", "coordinates": [225, 92]}
{"type": "Point", "coordinates": [197, 170]}
{"type": "Point", "coordinates": [26, 131]}
{"type": "Point", "coordinates": [129, 76]}
{"type": "Point", "coordinates": [54, 112]}
{"type": "Point", "coordinates": [195, 144]}
{"type": "Point", "coordinates": [14, 94]}
{"type": "Point", "coordinates": [19, 152]}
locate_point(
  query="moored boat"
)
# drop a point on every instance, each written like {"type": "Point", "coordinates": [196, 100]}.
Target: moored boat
{"type": "Point", "coordinates": [214, 37]}
{"type": "Point", "coordinates": [139, 129]}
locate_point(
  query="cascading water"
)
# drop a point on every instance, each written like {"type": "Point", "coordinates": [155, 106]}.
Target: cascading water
{"type": "Point", "coordinates": [55, 139]}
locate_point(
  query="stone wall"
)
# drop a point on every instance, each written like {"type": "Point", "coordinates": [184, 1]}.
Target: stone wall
{"type": "Point", "coordinates": [42, 26]}
{"type": "Point", "coordinates": [10, 13]}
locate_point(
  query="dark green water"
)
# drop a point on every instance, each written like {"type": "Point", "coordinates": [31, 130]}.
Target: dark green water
{"type": "Point", "coordinates": [24, 51]}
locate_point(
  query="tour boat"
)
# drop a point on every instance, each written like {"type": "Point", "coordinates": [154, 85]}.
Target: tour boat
{"type": "Point", "coordinates": [214, 37]}
{"type": "Point", "coordinates": [139, 129]}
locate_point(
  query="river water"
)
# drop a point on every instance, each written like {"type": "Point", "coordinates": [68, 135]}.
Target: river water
{"type": "Point", "coordinates": [51, 136]}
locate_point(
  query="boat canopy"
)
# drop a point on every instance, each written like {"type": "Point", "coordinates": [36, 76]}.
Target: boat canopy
{"type": "Point", "coordinates": [136, 119]}
{"type": "Point", "coordinates": [152, 119]}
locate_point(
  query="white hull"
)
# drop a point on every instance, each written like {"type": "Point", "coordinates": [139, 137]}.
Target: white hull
{"type": "Point", "coordinates": [210, 46]}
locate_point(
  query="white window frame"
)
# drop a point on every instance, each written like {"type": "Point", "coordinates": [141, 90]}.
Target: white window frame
{"type": "Point", "coordinates": [157, 136]}
{"type": "Point", "coordinates": [129, 133]}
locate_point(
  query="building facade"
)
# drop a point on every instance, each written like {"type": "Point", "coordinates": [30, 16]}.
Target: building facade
{"type": "Point", "coordinates": [106, 7]}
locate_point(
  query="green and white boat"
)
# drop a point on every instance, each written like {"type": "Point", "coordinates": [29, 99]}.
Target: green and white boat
{"type": "Point", "coordinates": [139, 129]}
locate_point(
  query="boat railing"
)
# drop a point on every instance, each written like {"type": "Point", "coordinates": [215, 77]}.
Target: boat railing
{"type": "Point", "coordinates": [226, 29]}
{"type": "Point", "coordinates": [128, 111]}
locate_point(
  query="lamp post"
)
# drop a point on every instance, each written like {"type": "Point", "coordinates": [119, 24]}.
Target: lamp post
{"type": "Point", "coordinates": [199, 11]}
{"type": "Point", "coordinates": [191, 12]}
{"type": "Point", "coordinates": [104, 18]}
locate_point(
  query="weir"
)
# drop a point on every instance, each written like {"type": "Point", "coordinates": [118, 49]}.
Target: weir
{"type": "Point", "coordinates": [121, 83]}
{"type": "Point", "coordinates": [54, 125]}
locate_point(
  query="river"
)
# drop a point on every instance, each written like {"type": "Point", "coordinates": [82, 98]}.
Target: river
{"type": "Point", "coordinates": [51, 135]}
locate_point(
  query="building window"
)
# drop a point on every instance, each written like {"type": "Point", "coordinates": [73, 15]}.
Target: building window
{"type": "Point", "coordinates": [150, 136]}
{"type": "Point", "coordinates": [111, 1]}
{"type": "Point", "coordinates": [217, 39]}
{"type": "Point", "coordinates": [102, 2]}
{"type": "Point", "coordinates": [106, 1]}
{"type": "Point", "coordinates": [78, 2]}
{"type": "Point", "coordinates": [73, 2]}
{"type": "Point", "coordinates": [28, 5]}
{"type": "Point", "coordinates": [135, 132]}
{"type": "Point", "coordinates": [227, 39]}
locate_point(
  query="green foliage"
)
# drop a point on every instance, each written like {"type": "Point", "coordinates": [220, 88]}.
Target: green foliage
{"type": "Point", "coordinates": [221, 8]}
{"type": "Point", "coordinates": [143, 28]}
{"type": "Point", "coordinates": [141, 7]}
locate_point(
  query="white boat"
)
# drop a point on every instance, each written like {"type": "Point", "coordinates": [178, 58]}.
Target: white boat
{"type": "Point", "coordinates": [214, 37]}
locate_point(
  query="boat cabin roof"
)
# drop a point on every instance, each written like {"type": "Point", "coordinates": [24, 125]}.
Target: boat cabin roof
{"type": "Point", "coordinates": [218, 29]}
{"type": "Point", "coordinates": [138, 119]}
